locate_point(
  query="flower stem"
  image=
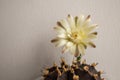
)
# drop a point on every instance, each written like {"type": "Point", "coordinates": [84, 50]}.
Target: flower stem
{"type": "Point", "coordinates": [79, 58]}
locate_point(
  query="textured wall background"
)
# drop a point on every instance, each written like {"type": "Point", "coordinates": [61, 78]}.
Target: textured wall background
{"type": "Point", "coordinates": [26, 28]}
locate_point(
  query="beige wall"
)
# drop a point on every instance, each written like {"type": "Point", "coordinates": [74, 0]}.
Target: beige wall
{"type": "Point", "coordinates": [26, 28]}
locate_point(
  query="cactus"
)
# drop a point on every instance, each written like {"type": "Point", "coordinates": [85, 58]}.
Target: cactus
{"type": "Point", "coordinates": [75, 34]}
{"type": "Point", "coordinates": [79, 70]}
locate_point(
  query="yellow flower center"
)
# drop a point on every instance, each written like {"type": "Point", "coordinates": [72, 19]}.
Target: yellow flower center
{"type": "Point", "coordinates": [77, 36]}
{"type": "Point", "coordinates": [74, 35]}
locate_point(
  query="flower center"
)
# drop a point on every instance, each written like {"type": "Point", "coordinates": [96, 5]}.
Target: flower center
{"type": "Point", "coordinates": [74, 35]}
{"type": "Point", "coordinates": [77, 36]}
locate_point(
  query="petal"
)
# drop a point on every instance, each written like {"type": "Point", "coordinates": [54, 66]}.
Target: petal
{"type": "Point", "coordinates": [84, 44]}
{"type": "Point", "coordinates": [77, 51]}
{"type": "Point", "coordinates": [67, 47]}
{"type": "Point", "coordinates": [87, 21]}
{"type": "Point", "coordinates": [94, 33]}
{"type": "Point", "coordinates": [80, 20]}
{"type": "Point", "coordinates": [81, 49]}
{"type": "Point", "coordinates": [62, 35]}
{"type": "Point", "coordinates": [73, 49]}
{"type": "Point", "coordinates": [59, 30]}
{"type": "Point", "coordinates": [92, 44]}
{"type": "Point", "coordinates": [91, 36]}
{"type": "Point", "coordinates": [71, 21]}
{"type": "Point", "coordinates": [54, 40]}
{"type": "Point", "coordinates": [65, 25]}
{"type": "Point", "coordinates": [91, 28]}
{"type": "Point", "coordinates": [76, 20]}
{"type": "Point", "coordinates": [59, 42]}
{"type": "Point", "coordinates": [61, 25]}
{"type": "Point", "coordinates": [88, 17]}
{"type": "Point", "coordinates": [69, 44]}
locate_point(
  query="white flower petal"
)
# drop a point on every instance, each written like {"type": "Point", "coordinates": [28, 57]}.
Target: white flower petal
{"type": "Point", "coordinates": [59, 24]}
{"type": "Point", "coordinates": [62, 35]}
{"type": "Point", "coordinates": [91, 28]}
{"type": "Point", "coordinates": [87, 21]}
{"type": "Point", "coordinates": [81, 49]}
{"type": "Point", "coordinates": [59, 30]}
{"type": "Point", "coordinates": [92, 44]}
{"type": "Point", "coordinates": [60, 43]}
{"type": "Point", "coordinates": [76, 20]}
{"type": "Point", "coordinates": [77, 51]}
{"type": "Point", "coordinates": [73, 49]}
{"type": "Point", "coordinates": [91, 36]}
{"type": "Point", "coordinates": [71, 21]}
{"type": "Point", "coordinates": [69, 44]}
{"type": "Point", "coordinates": [66, 25]}
{"type": "Point", "coordinates": [80, 20]}
{"type": "Point", "coordinates": [67, 47]}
